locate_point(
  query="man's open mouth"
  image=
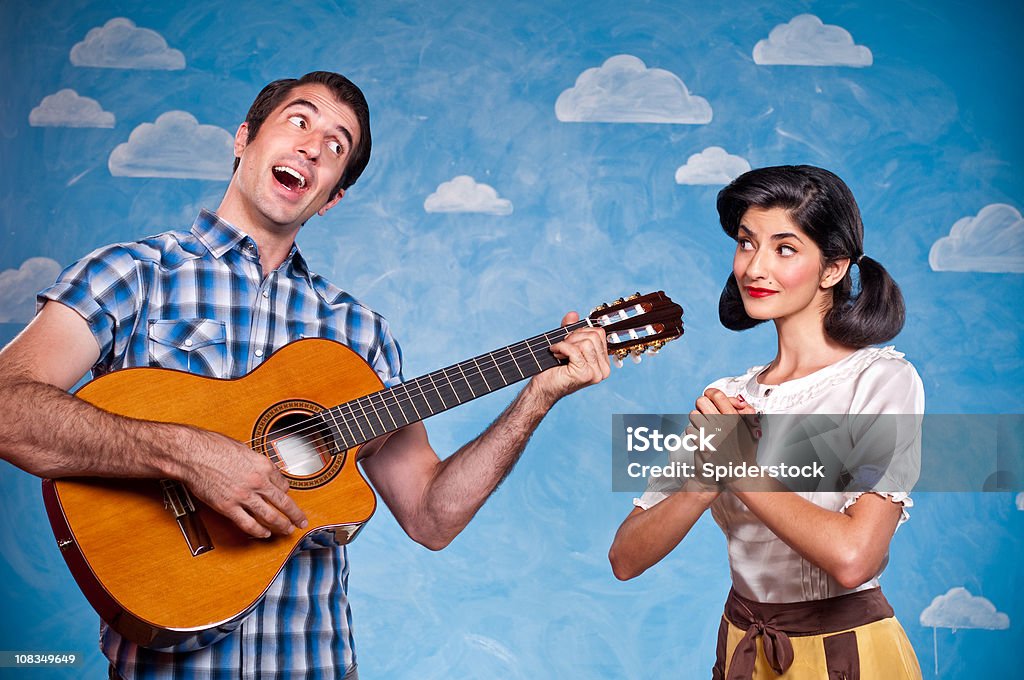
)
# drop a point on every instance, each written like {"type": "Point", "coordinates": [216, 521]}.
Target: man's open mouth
{"type": "Point", "coordinates": [289, 178]}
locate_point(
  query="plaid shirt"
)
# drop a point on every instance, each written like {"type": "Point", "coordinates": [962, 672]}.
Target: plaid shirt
{"type": "Point", "coordinates": [198, 301]}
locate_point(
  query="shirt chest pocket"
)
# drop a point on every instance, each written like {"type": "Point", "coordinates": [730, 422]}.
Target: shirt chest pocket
{"type": "Point", "coordinates": [195, 345]}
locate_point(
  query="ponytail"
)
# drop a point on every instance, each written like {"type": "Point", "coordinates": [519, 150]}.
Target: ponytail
{"type": "Point", "coordinates": [872, 316]}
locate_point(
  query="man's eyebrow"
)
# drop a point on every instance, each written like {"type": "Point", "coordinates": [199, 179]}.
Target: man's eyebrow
{"type": "Point", "coordinates": [312, 107]}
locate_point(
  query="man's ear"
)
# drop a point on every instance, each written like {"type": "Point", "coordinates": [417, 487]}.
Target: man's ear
{"type": "Point", "coordinates": [834, 272]}
{"type": "Point", "coordinates": [331, 203]}
{"type": "Point", "coordinates": [241, 139]}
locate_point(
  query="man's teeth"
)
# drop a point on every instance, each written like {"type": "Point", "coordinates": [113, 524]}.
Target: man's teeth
{"type": "Point", "coordinates": [293, 173]}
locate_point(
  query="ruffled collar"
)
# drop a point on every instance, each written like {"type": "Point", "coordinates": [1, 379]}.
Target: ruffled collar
{"type": "Point", "coordinates": [792, 393]}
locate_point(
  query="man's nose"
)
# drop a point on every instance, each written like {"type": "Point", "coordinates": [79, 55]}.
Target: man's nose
{"type": "Point", "coordinates": [308, 147]}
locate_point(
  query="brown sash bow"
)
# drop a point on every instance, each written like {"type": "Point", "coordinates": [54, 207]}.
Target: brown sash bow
{"type": "Point", "coordinates": [776, 623]}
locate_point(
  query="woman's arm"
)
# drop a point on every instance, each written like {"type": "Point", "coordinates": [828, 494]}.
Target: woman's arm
{"type": "Point", "coordinates": [848, 545]}
{"type": "Point", "coordinates": [646, 536]}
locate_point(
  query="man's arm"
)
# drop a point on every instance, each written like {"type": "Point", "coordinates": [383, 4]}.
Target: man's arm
{"type": "Point", "coordinates": [434, 499]}
{"type": "Point", "coordinates": [50, 433]}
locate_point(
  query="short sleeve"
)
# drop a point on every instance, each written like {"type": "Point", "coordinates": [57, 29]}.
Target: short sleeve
{"type": "Point", "coordinates": [387, 358]}
{"type": "Point", "coordinates": [903, 499]}
{"type": "Point", "coordinates": [885, 428]}
{"type": "Point", "coordinates": [104, 288]}
{"type": "Point", "coordinates": [658, 489]}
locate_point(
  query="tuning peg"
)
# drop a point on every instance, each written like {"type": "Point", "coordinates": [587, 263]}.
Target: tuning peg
{"type": "Point", "coordinates": [637, 354]}
{"type": "Point", "coordinates": [634, 296]}
{"type": "Point", "coordinates": [620, 301]}
{"type": "Point", "coordinates": [603, 305]}
{"type": "Point", "coordinates": [617, 360]}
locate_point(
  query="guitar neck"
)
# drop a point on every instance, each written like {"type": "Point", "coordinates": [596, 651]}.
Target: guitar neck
{"type": "Point", "coordinates": [357, 422]}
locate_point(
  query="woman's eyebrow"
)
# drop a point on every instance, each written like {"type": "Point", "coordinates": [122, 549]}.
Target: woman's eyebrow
{"type": "Point", "coordinates": [775, 237]}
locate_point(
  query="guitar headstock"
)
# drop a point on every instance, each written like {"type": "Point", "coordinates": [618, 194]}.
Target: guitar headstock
{"type": "Point", "coordinates": [638, 324]}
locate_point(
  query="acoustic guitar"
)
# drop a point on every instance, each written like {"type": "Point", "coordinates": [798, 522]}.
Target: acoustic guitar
{"type": "Point", "coordinates": [163, 569]}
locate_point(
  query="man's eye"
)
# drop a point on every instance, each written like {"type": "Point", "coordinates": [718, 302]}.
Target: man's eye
{"type": "Point", "coordinates": [297, 121]}
{"type": "Point", "coordinates": [745, 244]}
{"type": "Point", "coordinates": [335, 148]}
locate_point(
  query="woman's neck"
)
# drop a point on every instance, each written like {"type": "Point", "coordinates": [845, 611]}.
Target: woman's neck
{"type": "Point", "coordinates": [803, 348]}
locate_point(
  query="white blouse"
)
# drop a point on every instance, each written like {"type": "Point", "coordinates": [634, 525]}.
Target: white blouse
{"type": "Point", "coordinates": [872, 380]}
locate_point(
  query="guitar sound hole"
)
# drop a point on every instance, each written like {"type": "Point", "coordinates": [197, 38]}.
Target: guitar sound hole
{"type": "Point", "coordinates": [298, 445]}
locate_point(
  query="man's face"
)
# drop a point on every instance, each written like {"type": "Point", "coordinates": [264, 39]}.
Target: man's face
{"type": "Point", "coordinates": [288, 171]}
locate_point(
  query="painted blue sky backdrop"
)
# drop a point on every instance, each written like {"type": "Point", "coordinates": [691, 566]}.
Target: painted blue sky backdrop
{"type": "Point", "coordinates": [493, 202]}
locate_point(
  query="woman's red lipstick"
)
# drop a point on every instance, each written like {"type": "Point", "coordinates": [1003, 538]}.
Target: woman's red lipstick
{"type": "Point", "coordinates": [760, 292]}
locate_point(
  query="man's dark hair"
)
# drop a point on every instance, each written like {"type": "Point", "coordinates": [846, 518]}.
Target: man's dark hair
{"type": "Point", "coordinates": [344, 90]}
{"type": "Point", "coordinates": [821, 204]}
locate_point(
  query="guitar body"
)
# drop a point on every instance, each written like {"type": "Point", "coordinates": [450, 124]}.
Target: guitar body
{"type": "Point", "coordinates": [159, 579]}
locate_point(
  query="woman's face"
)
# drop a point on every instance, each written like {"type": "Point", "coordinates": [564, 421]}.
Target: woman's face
{"type": "Point", "coordinates": [777, 266]}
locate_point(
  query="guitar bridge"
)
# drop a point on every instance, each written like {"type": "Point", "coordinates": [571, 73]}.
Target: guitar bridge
{"type": "Point", "coordinates": [178, 500]}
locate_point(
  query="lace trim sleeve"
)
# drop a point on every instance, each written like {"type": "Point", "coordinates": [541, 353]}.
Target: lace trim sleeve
{"type": "Point", "coordinates": [901, 497]}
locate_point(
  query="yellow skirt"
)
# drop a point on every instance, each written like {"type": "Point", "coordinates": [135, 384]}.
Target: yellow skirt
{"type": "Point", "coordinates": [882, 649]}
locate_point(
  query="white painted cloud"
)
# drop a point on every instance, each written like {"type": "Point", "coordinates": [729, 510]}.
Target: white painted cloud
{"type": "Point", "coordinates": [121, 44]}
{"type": "Point", "coordinates": [959, 609]}
{"type": "Point", "coordinates": [1020, 501]}
{"type": "Point", "coordinates": [67, 108]}
{"type": "Point", "coordinates": [991, 241]}
{"type": "Point", "coordinates": [713, 165]}
{"type": "Point", "coordinates": [18, 288]}
{"type": "Point", "coordinates": [624, 90]}
{"type": "Point", "coordinates": [806, 41]}
{"type": "Point", "coordinates": [465, 194]}
{"type": "Point", "coordinates": [176, 145]}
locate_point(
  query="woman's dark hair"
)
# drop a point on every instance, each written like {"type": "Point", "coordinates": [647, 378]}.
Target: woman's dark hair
{"type": "Point", "coordinates": [344, 90]}
{"type": "Point", "coordinates": [824, 208]}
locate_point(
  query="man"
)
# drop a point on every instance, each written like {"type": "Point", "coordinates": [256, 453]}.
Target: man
{"type": "Point", "coordinates": [217, 300]}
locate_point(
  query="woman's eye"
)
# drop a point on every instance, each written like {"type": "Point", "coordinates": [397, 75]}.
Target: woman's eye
{"type": "Point", "coordinates": [786, 251]}
{"type": "Point", "coordinates": [298, 121]}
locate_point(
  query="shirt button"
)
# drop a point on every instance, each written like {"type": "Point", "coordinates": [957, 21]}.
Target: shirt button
{"type": "Point", "coordinates": [188, 343]}
{"type": "Point", "coordinates": [266, 294]}
{"type": "Point", "coordinates": [768, 392]}
{"type": "Point", "coordinates": [258, 352]}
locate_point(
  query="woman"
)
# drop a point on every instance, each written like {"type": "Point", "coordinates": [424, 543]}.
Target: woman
{"type": "Point", "coordinates": [805, 600]}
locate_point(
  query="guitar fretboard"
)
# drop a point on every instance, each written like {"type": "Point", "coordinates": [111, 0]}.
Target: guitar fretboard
{"type": "Point", "coordinates": [358, 421]}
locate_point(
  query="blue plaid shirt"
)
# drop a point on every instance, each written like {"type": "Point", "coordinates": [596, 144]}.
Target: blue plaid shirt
{"type": "Point", "coordinates": [198, 301]}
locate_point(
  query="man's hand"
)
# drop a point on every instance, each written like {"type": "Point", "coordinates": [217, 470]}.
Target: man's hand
{"type": "Point", "coordinates": [239, 483]}
{"type": "Point", "coordinates": [587, 352]}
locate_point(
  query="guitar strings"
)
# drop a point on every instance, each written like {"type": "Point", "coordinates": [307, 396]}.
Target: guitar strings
{"type": "Point", "coordinates": [425, 384]}
{"type": "Point", "coordinates": [362, 407]}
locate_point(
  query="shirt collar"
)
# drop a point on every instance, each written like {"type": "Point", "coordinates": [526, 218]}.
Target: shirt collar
{"type": "Point", "coordinates": [298, 264]}
{"type": "Point", "coordinates": [216, 234]}
{"type": "Point", "coordinates": [220, 236]}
